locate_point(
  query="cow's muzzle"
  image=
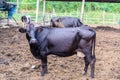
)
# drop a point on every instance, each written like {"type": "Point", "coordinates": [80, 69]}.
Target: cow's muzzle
{"type": "Point", "coordinates": [33, 41]}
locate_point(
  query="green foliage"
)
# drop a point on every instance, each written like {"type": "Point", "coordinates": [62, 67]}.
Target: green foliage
{"type": "Point", "coordinates": [68, 6]}
{"type": "Point", "coordinates": [89, 6]}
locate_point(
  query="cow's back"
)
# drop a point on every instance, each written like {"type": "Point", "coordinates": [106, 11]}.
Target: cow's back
{"type": "Point", "coordinates": [66, 22]}
{"type": "Point", "coordinates": [71, 21]}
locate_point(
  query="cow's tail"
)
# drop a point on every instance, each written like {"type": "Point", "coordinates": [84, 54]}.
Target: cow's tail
{"type": "Point", "coordinates": [93, 44]}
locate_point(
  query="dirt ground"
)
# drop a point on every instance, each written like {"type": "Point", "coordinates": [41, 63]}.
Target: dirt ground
{"type": "Point", "coordinates": [16, 59]}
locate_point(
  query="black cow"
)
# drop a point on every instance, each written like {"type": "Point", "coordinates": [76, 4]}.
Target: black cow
{"type": "Point", "coordinates": [65, 22]}
{"type": "Point", "coordinates": [62, 42]}
{"type": "Point", "coordinates": [26, 20]}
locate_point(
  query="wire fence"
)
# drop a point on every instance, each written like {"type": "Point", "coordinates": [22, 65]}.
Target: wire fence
{"type": "Point", "coordinates": [103, 18]}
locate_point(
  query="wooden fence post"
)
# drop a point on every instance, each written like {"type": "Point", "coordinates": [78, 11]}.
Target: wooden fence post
{"type": "Point", "coordinates": [37, 10]}
{"type": "Point", "coordinates": [77, 12]}
{"type": "Point", "coordinates": [113, 20]}
{"type": "Point", "coordinates": [44, 12]}
{"type": "Point", "coordinates": [17, 6]}
{"type": "Point", "coordinates": [103, 17]}
{"type": "Point", "coordinates": [86, 18]}
{"type": "Point", "coordinates": [82, 9]}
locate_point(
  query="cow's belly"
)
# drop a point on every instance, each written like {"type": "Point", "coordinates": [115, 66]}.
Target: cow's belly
{"type": "Point", "coordinates": [61, 41]}
{"type": "Point", "coordinates": [64, 54]}
{"type": "Point", "coordinates": [61, 45]}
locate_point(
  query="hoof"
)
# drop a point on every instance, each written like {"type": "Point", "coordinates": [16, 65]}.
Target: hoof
{"type": "Point", "coordinates": [43, 73]}
{"type": "Point", "coordinates": [92, 76]}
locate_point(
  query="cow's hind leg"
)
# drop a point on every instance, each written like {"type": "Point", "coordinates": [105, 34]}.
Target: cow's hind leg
{"type": "Point", "coordinates": [86, 66]}
{"type": "Point", "coordinates": [44, 65]}
{"type": "Point", "coordinates": [91, 61]}
{"type": "Point", "coordinates": [92, 65]}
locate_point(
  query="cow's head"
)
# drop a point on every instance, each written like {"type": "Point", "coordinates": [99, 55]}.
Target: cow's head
{"type": "Point", "coordinates": [55, 22]}
{"type": "Point", "coordinates": [30, 31]}
{"type": "Point", "coordinates": [26, 20]}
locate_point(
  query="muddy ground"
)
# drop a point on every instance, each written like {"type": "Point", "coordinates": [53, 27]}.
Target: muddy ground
{"type": "Point", "coordinates": [16, 59]}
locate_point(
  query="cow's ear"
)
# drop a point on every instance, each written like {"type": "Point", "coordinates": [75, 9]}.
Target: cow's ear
{"type": "Point", "coordinates": [22, 30]}
{"type": "Point", "coordinates": [22, 18]}
{"type": "Point", "coordinates": [57, 20]}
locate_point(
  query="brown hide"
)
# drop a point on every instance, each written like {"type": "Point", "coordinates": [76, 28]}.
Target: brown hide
{"type": "Point", "coordinates": [59, 24]}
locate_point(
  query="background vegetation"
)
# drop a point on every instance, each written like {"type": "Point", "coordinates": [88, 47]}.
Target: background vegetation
{"type": "Point", "coordinates": [95, 12]}
{"type": "Point", "coordinates": [70, 6]}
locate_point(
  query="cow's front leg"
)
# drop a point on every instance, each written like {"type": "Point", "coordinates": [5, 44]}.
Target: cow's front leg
{"type": "Point", "coordinates": [44, 65]}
